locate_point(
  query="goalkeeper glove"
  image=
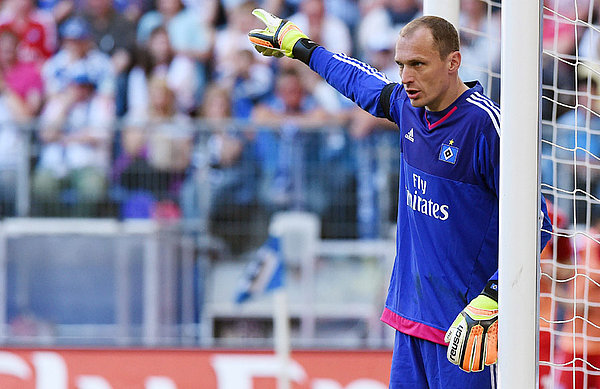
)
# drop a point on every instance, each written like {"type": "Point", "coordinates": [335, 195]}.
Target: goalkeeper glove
{"type": "Point", "coordinates": [279, 38]}
{"type": "Point", "coordinates": [473, 336]}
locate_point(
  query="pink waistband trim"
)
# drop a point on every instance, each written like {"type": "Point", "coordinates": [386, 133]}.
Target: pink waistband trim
{"type": "Point", "coordinates": [413, 328]}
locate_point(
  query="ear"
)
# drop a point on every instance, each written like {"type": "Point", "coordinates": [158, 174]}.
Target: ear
{"type": "Point", "coordinates": [454, 59]}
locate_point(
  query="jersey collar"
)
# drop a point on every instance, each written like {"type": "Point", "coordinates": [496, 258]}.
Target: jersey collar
{"type": "Point", "coordinates": [435, 118]}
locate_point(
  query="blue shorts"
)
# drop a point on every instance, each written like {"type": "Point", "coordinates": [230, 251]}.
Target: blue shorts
{"type": "Point", "coordinates": [419, 363]}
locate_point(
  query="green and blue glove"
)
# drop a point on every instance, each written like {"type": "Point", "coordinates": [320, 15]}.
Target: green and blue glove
{"type": "Point", "coordinates": [279, 38]}
{"type": "Point", "coordinates": [473, 336]}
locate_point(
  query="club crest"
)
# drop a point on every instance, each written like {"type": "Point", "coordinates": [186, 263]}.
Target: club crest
{"type": "Point", "coordinates": [448, 153]}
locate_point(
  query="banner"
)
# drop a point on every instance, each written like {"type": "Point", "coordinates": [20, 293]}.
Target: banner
{"type": "Point", "coordinates": [183, 369]}
{"type": "Point", "coordinates": [264, 273]}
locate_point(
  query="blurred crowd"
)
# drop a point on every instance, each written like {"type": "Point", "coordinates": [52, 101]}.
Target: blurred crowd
{"type": "Point", "coordinates": [139, 108]}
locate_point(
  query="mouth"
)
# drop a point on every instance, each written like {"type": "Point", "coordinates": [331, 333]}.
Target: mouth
{"type": "Point", "coordinates": [412, 93]}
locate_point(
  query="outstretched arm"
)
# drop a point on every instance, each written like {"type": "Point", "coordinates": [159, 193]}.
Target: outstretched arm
{"type": "Point", "coordinates": [358, 81]}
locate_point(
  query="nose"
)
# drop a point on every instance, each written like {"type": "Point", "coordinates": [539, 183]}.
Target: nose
{"type": "Point", "coordinates": [406, 75]}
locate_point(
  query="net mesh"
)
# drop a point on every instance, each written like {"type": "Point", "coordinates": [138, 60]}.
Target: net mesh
{"type": "Point", "coordinates": [570, 264]}
{"type": "Point", "coordinates": [479, 29]}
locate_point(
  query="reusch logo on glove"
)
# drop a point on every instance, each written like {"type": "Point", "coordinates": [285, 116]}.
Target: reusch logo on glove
{"type": "Point", "coordinates": [455, 343]}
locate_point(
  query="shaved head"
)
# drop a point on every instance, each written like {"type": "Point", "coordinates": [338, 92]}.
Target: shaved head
{"type": "Point", "coordinates": [445, 36]}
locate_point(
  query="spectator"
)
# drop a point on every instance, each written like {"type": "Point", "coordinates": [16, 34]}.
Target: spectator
{"type": "Point", "coordinates": [376, 150]}
{"type": "Point", "coordinates": [348, 11]}
{"type": "Point", "coordinates": [555, 261]}
{"type": "Point", "coordinates": [376, 175]}
{"type": "Point", "coordinates": [589, 44]}
{"type": "Point", "coordinates": [579, 145]}
{"type": "Point", "coordinates": [558, 32]}
{"type": "Point", "coordinates": [11, 149]}
{"type": "Point", "coordinates": [76, 56]}
{"type": "Point", "coordinates": [286, 7]}
{"type": "Point", "coordinates": [232, 39]}
{"type": "Point", "coordinates": [158, 59]}
{"type": "Point", "coordinates": [384, 18]}
{"type": "Point", "coordinates": [60, 10]}
{"type": "Point", "coordinates": [579, 338]}
{"type": "Point", "coordinates": [290, 149]}
{"type": "Point", "coordinates": [20, 100]}
{"type": "Point", "coordinates": [560, 36]}
{"type": "Point", "coordinates": [324, 28]}
{"type": "Point", "coordinates": [228, 155]}
{"type": "Point", "coordinates": [35, 29]}
{"type": "Point", "coordinates": [156, 153]}
{"type": "Point", "coordinates": [480, 46]}
{"type": "Point", "coordinates": [189, 35]}
{"type": "Point", "coordinates": [187, 32]}
{"type": "Point", "coordinates": [373, 146]}
{"type": "Point", "coordinates": [378, 50]}
{"type": "Point", "coordinates": [249, 82]}
{"type": "Point", "coordinates": [20, 82]}
{"type": "Point", "coordinates": [336, 151]}
{"type": "Point", "coordinates": [114, 35]}
{"type": "Point", "coordinates": [75, 132]}
{"type": "Point", "coordinates": [208, 10]}
{"type": "Point", "coordinates": [132, 10]}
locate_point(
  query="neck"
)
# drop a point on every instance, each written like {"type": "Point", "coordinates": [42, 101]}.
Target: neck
{"type": "Point", "coordinates": [456, 89]}
{"type": "Point", "coordinates": [6, 64]}
{"type": "Point", "coordinates": [462, 88]}
{"type": "Point", "coordinates": [102, 17]}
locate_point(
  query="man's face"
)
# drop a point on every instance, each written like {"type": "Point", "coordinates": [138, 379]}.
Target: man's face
{"type": "Point", "coordinates": [291, 92]}
{"type": "Point", "coordinates": [426, 77]}
{"type": "Point", "coordinates": [168, 7]}
{"type": "Point", "coordinates": [77, 47]}
{"type": "Point", "coordinates": [21, 7]}
{"type": "Point", "coordinates": [8, 48]}
{"type": "Point", "coordinates": [99, 7]}
{"type": "Point", "coordinates": [160, 46]}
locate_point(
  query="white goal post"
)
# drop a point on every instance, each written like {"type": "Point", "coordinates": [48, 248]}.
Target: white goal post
{"type": "Point", "coordinates": [518, 260]}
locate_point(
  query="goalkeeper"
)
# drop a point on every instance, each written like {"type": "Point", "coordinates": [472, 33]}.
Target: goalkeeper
{"type": "Point", "coordinates": [442, 297]}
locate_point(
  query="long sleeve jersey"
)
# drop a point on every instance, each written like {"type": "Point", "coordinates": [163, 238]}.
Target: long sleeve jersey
{"type": "Point", "coordinates": [447, 226]}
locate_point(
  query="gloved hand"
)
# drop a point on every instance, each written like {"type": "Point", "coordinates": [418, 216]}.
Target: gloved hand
{"type": "Point", "coordinates": [473, 336]}
{"type": "Point", "coordinates": [278, 38]}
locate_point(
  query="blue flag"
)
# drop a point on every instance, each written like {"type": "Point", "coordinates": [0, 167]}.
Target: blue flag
{"type": "Point", "coordinates": [264, 273]}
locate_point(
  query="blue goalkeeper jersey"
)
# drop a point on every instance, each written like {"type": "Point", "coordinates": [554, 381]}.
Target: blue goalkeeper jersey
{"type": "Point", "coordinates": [447, 232]}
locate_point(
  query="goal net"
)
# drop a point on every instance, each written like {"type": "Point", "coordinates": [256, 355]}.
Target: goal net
{"type": "Point", "coordinates": [569, 340]}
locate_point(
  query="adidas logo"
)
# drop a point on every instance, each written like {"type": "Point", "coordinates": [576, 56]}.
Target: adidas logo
{"type": "Point", "coordinates": [410, 135]}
